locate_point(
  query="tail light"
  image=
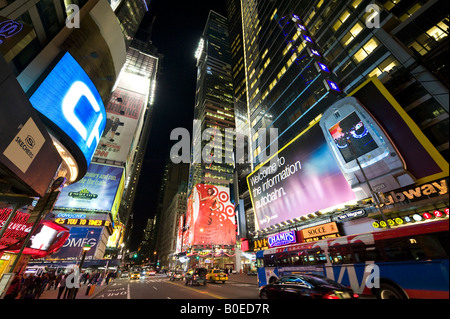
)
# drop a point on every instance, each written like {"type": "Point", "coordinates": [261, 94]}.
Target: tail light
{"type": "Point", "coordinates": [355, 296]}
{"type": "Point", "coordinates": [330, 295]}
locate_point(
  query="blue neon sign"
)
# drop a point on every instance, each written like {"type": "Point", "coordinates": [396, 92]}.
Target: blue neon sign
{"type": "Point", "coordinates": [70, 100]}
{"type": "Point", "coordinates": [308, 39]}
{"type": "Point", "coordinates": [333, 86]}
{"type": "Point", "coordinates": [323, 67]}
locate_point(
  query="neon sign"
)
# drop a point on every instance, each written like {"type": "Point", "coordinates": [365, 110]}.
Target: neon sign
{"type": "Point", "coordinates": [69, 99]}
{"type": "Point", "coordinates": [9, 28]}
{"type": "Point", "coordinates": [282, 239]}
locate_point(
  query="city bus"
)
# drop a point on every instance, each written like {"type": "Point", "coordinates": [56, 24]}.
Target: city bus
{"type": "Point", "coordinates": [399, 263]}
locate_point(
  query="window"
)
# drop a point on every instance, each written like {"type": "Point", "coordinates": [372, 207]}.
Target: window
{"type": "Point", "coordinates": [352, 34]}
{"type": "Point", "coordinates": [340, 255]}
{"type": "Point", "coordinates": [269, 260]}
{"type": "Point", "coordinates": [386, 66]}
{"type": "Point", "coordinates": [341, 20]}
{"type": "Point", "coordinates": [410, 12]}
{"type": "Point", "coordinates": [366, 50]}
{"type": "Point", "coordinates": [390, 4]}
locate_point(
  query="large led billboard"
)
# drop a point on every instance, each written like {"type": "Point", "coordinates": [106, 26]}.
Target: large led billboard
{"type": "Point", "coordinates": [212, 219]}
{"type": "Point", "coordinates": [72, 106]}
{"type": "Point", "coordinates": [96, 191]}
{"type": "Point", "coordinates": [73, 246]}
{"type": "Point", "coordinates": [304, 179]}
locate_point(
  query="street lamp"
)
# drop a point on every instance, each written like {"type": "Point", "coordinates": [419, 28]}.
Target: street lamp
{"type": "Point", "coordinates": [86, 248]}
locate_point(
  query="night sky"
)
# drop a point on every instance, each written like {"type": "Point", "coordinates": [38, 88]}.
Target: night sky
{"type": "Point", "coordinates": [176, 33]}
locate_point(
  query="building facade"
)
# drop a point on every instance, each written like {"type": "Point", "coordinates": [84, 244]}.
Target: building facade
{"type": "Point", "coordinates": [291, 60]}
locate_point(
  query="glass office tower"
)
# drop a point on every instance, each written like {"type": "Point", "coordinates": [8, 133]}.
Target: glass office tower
{"type": "Point", "coordinates": [277, 83]}
{"type": "Point", "coordinates": [213, 107]}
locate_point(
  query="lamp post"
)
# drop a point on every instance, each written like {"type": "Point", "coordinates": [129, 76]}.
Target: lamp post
{"type": "Point", "coordinates": [86, 248]}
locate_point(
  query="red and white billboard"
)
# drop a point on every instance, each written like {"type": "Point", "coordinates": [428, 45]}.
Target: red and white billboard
{"type": "Point", "coordinates": [212, 220]}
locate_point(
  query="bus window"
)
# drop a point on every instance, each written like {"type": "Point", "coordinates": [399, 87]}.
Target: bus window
{"type": "Point", "coordinates": [340, 255]}
{"type": "Point", "coordinates": [259, 262]}
{"type": "Point", "coordinates": [296, 259]}
{"type": "Point", "coordinates": [400, 249]}
{"type": "Point", "coordinates": [315, 257]}
{"type": "Point", "coordinates": [269, 260]}
{"type": "Point", "coordinates": [283, 260]}
{"type": "Point", "coordinates": [433, 246]}
{"type": "Point", "coordinates": [363, 253]}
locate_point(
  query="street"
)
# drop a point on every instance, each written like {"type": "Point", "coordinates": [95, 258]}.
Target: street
{"type": "Point", "coordinates": [160, 287]}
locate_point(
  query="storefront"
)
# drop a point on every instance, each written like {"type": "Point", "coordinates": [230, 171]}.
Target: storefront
{"type": "Point", "coordinates": [424, 203]}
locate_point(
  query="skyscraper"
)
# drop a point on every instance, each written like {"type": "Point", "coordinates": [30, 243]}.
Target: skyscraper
{"type": "Point", "coordinates": [213, 106]}
{"type": "Point", "coordinates": [284, 52]}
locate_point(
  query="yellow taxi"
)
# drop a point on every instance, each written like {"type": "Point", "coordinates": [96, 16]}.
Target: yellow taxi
{"type": "Point", "coordinates": [215, 275]}
{"type": "Point", "coordinates": [135, 275]}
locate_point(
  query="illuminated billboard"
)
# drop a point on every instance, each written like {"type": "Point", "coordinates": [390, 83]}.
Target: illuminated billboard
{"type": "Point", "coordinates": [96, 191]}
{"type": "Point", "coordinates": [72, 106]}
{"type": "Point", "coordinates": [304, 179]}
{"type": "Point", "coordinates": [408, 138]}
{"type": "Point", "coordinates": [213, 216]}
{"type": "Point", "coordinates": [124, 117]}
{"type": "Point", "coordinates": [78, 238]}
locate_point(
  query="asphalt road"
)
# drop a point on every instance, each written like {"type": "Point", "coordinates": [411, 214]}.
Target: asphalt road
{"type": "Point", "coordinates": [160, 287]}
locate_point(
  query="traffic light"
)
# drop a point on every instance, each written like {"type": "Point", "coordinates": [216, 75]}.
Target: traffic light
{"type": "Point", "coordinates": [197, 257]}
{"type": "Point", "coordinates": [135, 256]}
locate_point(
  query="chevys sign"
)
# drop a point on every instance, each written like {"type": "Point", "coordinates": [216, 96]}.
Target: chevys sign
{"type": "Point", "coordinates": [282, 239]}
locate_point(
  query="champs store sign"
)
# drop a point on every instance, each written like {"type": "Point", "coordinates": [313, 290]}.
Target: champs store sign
{"type": "Point", "coordinates": [433, 189]}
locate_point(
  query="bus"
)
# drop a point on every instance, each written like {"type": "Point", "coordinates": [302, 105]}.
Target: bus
{"type": "Point", "coordinates": [404, 262]}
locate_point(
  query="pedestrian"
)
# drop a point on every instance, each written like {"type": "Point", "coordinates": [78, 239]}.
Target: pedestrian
{"type": "Point", "coordinates": [37, 286]}
{"type": "Point", "coordinates": [27, 288]}
{"type": "Point", "coordinates": [51, 280]}
{"type": "Point", "coordinates": [14, 289]}
{"type": "Point", "coordinates": [62, 287]}
{"type": "Point", "coordinates": [86, 278]}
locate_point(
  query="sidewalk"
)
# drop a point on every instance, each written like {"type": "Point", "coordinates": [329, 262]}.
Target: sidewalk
{"type": "Point", "coordinates": [53, 293]}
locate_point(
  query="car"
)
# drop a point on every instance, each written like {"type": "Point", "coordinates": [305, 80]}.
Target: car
{"type": "Point", "coordinates": [306, 286]}
{"type": "Point", "coordinates": [215, 275]}
{"type": "Point", "coordinates": [135, 275]}
{"type": "Point", "coordinates": [196, 276]}
{"type": "Point", "coordinates": [124, 274]}
{"type": "Point", "coordinates": [151, 273]}
{"type": "Point", "coordinates": [176, 275]}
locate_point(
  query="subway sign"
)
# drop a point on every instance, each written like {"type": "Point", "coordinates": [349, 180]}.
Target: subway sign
{"type": "Point", "coordinates": [70, 102]}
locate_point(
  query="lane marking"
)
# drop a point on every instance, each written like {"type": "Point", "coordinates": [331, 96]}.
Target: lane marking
{"type": "Point", "coordinates": [128, 292]}
{"type": "Point", "coordinates": [201, 292]}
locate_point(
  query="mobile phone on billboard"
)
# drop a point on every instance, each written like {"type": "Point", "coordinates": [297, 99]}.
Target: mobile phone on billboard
{"type": "Point", "coordinates": [352, 133]}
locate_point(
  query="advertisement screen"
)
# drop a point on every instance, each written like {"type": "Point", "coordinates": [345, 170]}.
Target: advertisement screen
{"type": "Point", "coordinates": [409, 139]}
{"type": "Point", "coordinates": [43, 237]}
{"type": "Point", "coordinates": [78, 238]}
{"type": "Point", "coordinates": [352, 138]}
{"type": "Point", "coordinates": [95, 191]}
{"type": "Point", "coordinates": [304, 179]}
{"type": "Point", "coordinates": [123, 118]}
{"type": "Point", "coordinates": [213, 216]}
{"type": "Point", "coordinates": [70, 101]}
